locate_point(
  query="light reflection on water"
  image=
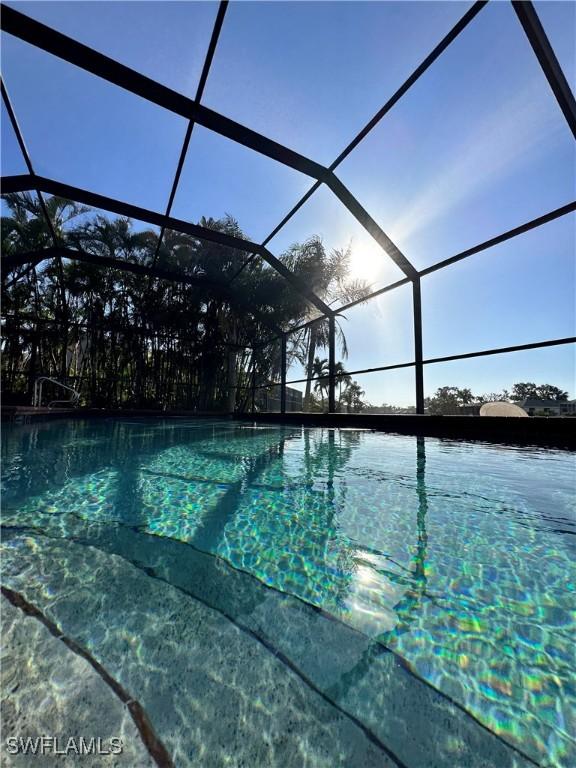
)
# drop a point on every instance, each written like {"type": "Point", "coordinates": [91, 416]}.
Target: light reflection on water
{"type": "Point", "coordinates": [457, 556]}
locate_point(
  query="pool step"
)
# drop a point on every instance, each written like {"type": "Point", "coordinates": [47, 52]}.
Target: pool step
{"type": "Point", "coordinates": [60, 695]}
{"type": "Point", "coordinates": [151, 632]}
{"type": "Point", "coordinates": [213, 695]}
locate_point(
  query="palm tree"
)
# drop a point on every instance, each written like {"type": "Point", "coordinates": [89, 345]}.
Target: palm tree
{"type": "Point", "coordinates": [310, 339]}
{"type": "Point", "coordinates": [26, 230]}
{"type": "Point", "coordinates": [342, 378]}
{"type": "Point", "coordinates": [328, 275]}
{"type": "Point", "coordinates": [320, 371]}
{"type": "Point", "coordinates": [352, 397]}
{"type": "Point", "coordinates": [168, 343]}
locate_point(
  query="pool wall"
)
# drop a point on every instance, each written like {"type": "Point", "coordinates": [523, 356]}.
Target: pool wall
{"type": "Point", "coordinates": [556, 432]}
{"type": "Point", "coordinates": [535, 430]}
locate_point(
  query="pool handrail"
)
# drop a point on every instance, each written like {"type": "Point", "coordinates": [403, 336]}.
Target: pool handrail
{"type": "Point", "coordinates": [37, 396]}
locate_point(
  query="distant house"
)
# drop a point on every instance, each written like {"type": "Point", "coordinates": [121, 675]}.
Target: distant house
{"type": "Point", "coordinates": [293, 399]}
{"type": "Point", "coordinates": [469, 410]}
{"type": "Point", "coordinates": [532, 405]}
{"type": "Point", "coordinates": [536, 407]}
{"type": "Point", "coordinates": [270, 400]}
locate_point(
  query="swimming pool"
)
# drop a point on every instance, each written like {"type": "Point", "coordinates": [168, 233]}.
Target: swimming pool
{"type": "Point", "coordinates": [278, 596]}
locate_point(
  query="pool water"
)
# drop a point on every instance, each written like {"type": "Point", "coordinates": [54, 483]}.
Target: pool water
{"type": "Point", "coordinates": [273, 595]}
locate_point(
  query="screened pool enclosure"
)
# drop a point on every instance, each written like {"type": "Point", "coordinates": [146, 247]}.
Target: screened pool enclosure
{"type": "Point", "coordinates": [437, 243]}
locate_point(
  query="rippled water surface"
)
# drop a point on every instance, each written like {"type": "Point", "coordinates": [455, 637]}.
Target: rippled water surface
{"type": "Point", "coordinates": [458, 557]}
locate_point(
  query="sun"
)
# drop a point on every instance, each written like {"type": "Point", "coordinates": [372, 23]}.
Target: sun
{"type": "Point", "coordinates": [367, 261]}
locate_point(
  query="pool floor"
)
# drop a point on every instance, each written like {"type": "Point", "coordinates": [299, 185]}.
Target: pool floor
{"type": "Point", "coordinates": [220, 593]}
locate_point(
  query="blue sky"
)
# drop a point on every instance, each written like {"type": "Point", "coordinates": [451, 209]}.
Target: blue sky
{"type": "Point", "coordinates": [476, 147]}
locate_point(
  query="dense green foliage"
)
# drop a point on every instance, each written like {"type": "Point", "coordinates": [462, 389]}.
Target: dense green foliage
{"type": "Point", "coordinates": [527, 389]}
{"type": "Point", "coordinates": [128, 339]}
{"type": "Point", "coordinates": [451, 400]}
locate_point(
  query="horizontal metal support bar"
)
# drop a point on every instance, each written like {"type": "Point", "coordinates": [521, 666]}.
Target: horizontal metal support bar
{"type": "Point", "coordinates": [563, 211]}
{"type": "Point", "coordinates": [270, 384]}
{"type": "Point", "coordinates": [434, 360]}
{"type": "Point", "coordinates": [468, 355]}
{"type": "Point", "coordinates": [520, 230]}
{"type": "Point", "coordinates": [338, 311]}
{"type": "Point", "coordinates": [26, 182]}
{"type": "Point", "coordinates": [14, 260]}
{"type": "Point", "coordinates": [354, 373]}
{"type": "Point", "coordinates": [110, 326]}
{"type": "Point", "coordinates": [307, 324]}
{"type": "Point", "coordinates": [50, 40]}
{"type": "Point", "coordinates": [70, 50]}
{"type": "Point", "coordinates": [256, 141]}
{"type": "Point", "coordinates": [502, 350]}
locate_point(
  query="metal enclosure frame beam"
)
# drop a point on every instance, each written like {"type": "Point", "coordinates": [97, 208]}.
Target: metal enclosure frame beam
{"type": "Point", "coordinates": [22, 182]}
{"type": "Point", "coordinates": [436, 52]}
{"type": "Point", "coordinates": [222, 7]}
{"type": "Point", "coordinates": [109, 262]}
{"type": "Point", "coordinates": [32, 175]}
{"type": "Point", "coordinates": [520, 230]}
{"type": "Point", "coordinates": [373, 229]}
{"type": "Point", "coordinates": [98, 64]}
{"type": "Point", "coordinates": [450, 358]}
{"type": "Point", "coordinates": [502, 238]}
{"type": "Point", "coordinates": [49, 223]}
{"type": "Point", "coordinates": [470, 14]}
{"type": "Point", "coordinates": [331, 364]}
{"type": "Point", "coordinates": [418, 366]}
{"type": "Point", "coordinates": [283, 347]}
{"type": "Point", "coordinates": [50, 40]}
{"type": "Point", "coordinates": [70, 50]}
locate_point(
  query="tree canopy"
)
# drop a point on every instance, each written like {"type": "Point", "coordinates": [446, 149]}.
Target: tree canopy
{"type": "Point", "coordinates": [122, 338]}
{"type": "Point", "coordinates": [450, 400]}
{"type": "Point", "coordinates": [527, 389]}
